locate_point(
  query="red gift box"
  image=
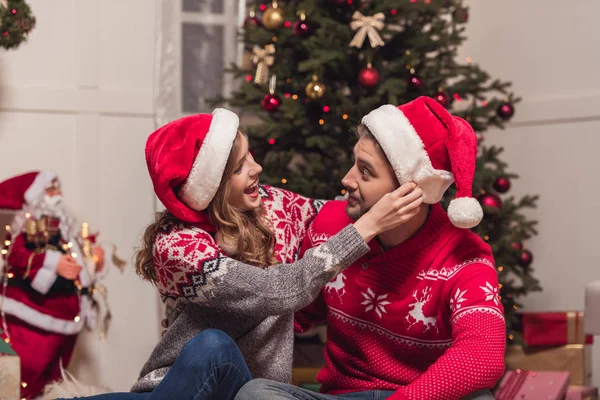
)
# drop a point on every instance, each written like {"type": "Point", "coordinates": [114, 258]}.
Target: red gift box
{"type": "Point", "coordinates": [532, 385]}
{"type": "Point", "coordinates": [582, 393]}
{"type": "Point", "coordinates": [544, 329]}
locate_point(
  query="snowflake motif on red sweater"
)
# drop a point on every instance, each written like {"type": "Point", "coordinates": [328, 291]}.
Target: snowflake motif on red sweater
{"type": "Point", "coordinates": [457, 299]}
{"type": "Point", "coordinates": [374, 302]}
{"type": "Point", "coordinates": [491, 293]}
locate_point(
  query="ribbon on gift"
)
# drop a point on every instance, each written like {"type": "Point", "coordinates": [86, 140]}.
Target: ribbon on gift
{"type": "Point", "coordinates": [263, 59]}
{"type": "Point", "coordinates": [367, 26]}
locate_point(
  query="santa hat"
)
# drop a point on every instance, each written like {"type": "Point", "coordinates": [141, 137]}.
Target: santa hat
{"type": "Point", "coordinates": [24, 189]}
{"type": "Point", "coordinates": [427, 145]}
{"type": "Point", "coordinates": [186, 159]}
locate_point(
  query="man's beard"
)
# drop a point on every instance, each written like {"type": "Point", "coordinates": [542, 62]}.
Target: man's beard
{"type": "Point", "coordinates": [51, 206]}
{"type": "Point", "coordinates": [359, 208]}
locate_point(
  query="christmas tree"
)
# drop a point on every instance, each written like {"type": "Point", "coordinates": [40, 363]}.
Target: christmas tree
{"type": "Point", "coordinates": [16, 21]}
{"type": "Point", "coordinates": [313, 68]}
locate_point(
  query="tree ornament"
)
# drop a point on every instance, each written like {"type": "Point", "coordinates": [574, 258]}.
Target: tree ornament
{"type": "Point", "coordinates": [525, 259]}
{"type": "Point", "coordinates": [502, 185]}
{"type": "Point", "coordinates": [368, 77]}
{"type": "Point", "coordinates": [274, 17]}
{"type": "Point", "coordinates": [271, 101]}
{"type": "Point", "coordinates": [263, 59]}
{"type": "Point", "coordinates": [251, 19]}
{"type": "Point", "coordinates": [443, 98]}
{"type": "Point", "coordinates": [301, 27]}
{"type": "Point", "coordinates": [414, 83]}
{"type": "Point", "coordinates": [315, 89]}
{"type": "Point", "coordinates": [367, 26]}
{"type": "Point", "coordinates": [491, 203]}
{"type": "Point", "coordinates": [460, 15]}
{"type": "Point", "coordinates": [506, 110]}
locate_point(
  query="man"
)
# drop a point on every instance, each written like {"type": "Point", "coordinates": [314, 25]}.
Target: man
{"type": "Point", "coordinates": [46, 296]}
{"type": "Point", "coordinates": [419, 316]}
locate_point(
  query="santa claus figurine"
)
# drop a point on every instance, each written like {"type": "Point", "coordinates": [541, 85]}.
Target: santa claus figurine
{"type": "Point", "coordinates": [48, 282]}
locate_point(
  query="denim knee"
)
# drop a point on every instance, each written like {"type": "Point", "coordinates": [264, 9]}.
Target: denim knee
{"type": "Point", "coordinates": [253, 389]}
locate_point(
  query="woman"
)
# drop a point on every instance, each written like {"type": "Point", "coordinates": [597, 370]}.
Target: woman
{"type": "Point", "coordinates": [222, 256]}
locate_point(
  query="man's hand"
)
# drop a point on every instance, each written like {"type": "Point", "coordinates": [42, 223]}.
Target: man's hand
{"type": "Point", "coordinates": [98, 254]}
{"type": "Point", "coordinates": [68, 267]}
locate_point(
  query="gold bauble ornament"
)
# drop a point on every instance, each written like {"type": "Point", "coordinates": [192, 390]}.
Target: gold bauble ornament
{"type": "Point", "coordinates": [315, 89]}
{"type": "Point", "coordinates": [274, 17]}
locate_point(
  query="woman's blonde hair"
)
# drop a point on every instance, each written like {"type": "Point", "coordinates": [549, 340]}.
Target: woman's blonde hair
{"type": "Point", "coordinates": [247, 231]}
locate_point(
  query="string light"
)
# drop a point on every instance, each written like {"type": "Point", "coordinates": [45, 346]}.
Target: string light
{"type": "Point", "coordinates": [7, 227]}
{"type": "Point", "coordinates": [326, 108]}
{"type": "Point", "coordinates": [77, 318]}
{"type": "Point", "coordinates": [284, 181]}
{"type": "Point", "coordinates": [10, 275]}
{"type": "Point", "coordinates": [287, 24]}
{"type": "Point", "coordinates": [295, 97]}
{"type": "Point", "coordinates": [499, 286]}
{"type": "Point", "coordinates": [271, 141]}
{"type": "Point", "coordinates": [24, 384]}
{"type": "Point", "coordinates": [501, 268]}
{"type": "Point", "coordinates": [27, 215]}
{"type": "Point", "coordinates": [484, 103]}
{"type": "Point", "coordinates": [343, 191]}
{"type": "Point", "coordinates": [515, 307]}
{"type": "Point", "coordinates": [287, 95]}
{"type": "Point", "coordinates": [345, 116]}
{"type": "Point", "coordinates": [511, 336]}
{"type": "Point", "coordinates": [393, 11]}
{"type": "Point", "coordinates": [274, 39]}
{"type": "Point", "coordinates": [248, 78]}
{"type": "Point", "coordinates": [407, 52]}
{"type": "Point", "coordinates": [74, 255]}
{"type": "Point", "coordinates": [263, 7]}
{"type": "Point", "coordinates": [4, 252]}
{"type": "Point", "coordinates": [486, 238]}
{"type": "Point", "coordinates": [321, 121]}
{"type": "Point", "coordinates": [7, 340]}
{"type": "Point", "coordinates": [468, 60]}
{"type": "Point", "coordinates": [7, 242]}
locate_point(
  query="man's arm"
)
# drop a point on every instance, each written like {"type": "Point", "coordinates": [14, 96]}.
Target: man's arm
{"type": "Point", "coordinates": [476, 359]}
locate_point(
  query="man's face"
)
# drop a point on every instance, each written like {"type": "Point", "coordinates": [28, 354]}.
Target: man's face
{"type": "Point", "coordinates": [369, 179]}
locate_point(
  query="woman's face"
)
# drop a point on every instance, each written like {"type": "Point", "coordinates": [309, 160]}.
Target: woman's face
{"type": "Point", "coordinates": [243, 183]}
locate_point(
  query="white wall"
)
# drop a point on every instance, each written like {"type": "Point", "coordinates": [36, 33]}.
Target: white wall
{"type": "Point", "coordinates": [549, 51]}
{"type": "Point", "coordinates": [77, 99]}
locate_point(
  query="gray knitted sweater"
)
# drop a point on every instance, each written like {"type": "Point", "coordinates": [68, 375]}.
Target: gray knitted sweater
{"type": "Point", "coordinates": [202, 288]}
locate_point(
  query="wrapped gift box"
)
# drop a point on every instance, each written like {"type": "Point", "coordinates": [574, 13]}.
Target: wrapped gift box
{"type": "Point", "coordinates": [573, 358]}
{"type": "Point", "coordinates": [582, 393]}
{"type": "Point", "coordinates": [545, 329]}
{"type": "Point", "coordinates": [533, 385]}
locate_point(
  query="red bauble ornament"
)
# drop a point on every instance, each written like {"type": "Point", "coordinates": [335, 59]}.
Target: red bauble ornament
{"type": "Point", "coordinates": [270, 102]}
{"type": "Point", "coordinates": [502, 185]}
{"type": "Point", "coordinates": [251, 21]}
{"type": "Point", "coordinates": [414, 83]}
{"type": "Point", "coordinates": [505, 111]}
{"type": "Point", "coordinates": [491, 203]}
{"type": "Point", "coordinates": [301, 28]}
{"type": "Point", "coordinates": [460, 15]}
{"type": "Point", "coordinates": [368, 77]}
{"type": "Point", "coordinates": [444, 99]}
{"type": "Point", "coordinates": [525, 259]}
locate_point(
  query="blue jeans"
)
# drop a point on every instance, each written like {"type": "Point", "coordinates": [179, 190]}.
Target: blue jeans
{"type": "Point", "coordinates": [265, 389]}
{"type": "Point", "coordinates": [210, 366]}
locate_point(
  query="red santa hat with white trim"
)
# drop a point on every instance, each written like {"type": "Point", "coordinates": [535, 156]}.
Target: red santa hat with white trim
{"type": "Point", "coordinates": [24, 189]}
{"type": "Point", "coordinates": [425, 144]}
{"type": "Point", "coordinates": [186, 159]}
